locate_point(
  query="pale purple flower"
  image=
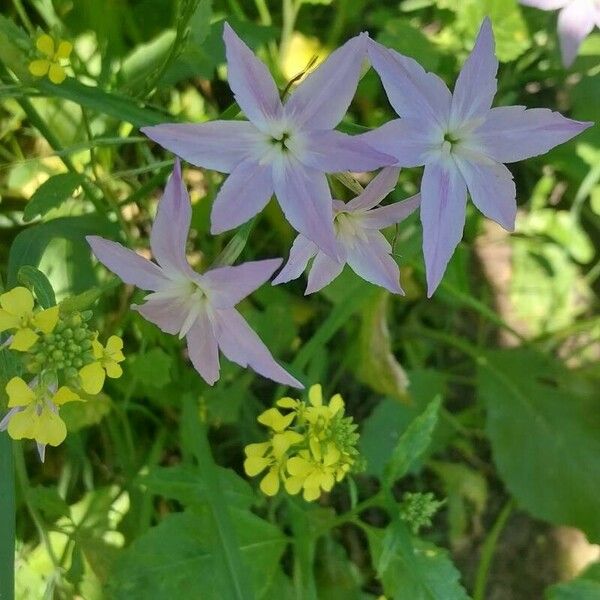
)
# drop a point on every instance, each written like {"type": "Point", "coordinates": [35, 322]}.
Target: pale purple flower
{"type": "Point", "coordinates": [576, 20]}
{"type": "Point", "coordinates": [462, 142]}
{"type": "Point", "coordinates": [199, 307]}
{"type": "Point", "coordinates": [284, 149]}
{"type": "Point", "coordinates": [360, 244]}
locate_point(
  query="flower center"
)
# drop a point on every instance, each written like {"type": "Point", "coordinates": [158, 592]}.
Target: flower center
{"type": "Point", "coordinates": [282, 141]}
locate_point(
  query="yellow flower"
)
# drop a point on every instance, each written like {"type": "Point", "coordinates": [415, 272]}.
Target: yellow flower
{"type": "Point", "coordinates": [106, 363]}
{"type": "Point", "coordinates": [275, 420]}
{"type": "Point", "coordinates": [319, 411]}
{"type": "Point", "coordinates": [311, 473]}
{"type": "Point", "coordinates": [34, 412]}
{"type": "Point", "coordinates": [16, 313]}
{"type": "Point", "coordinates": [51, 65]}
{"type": "Point", "coordinates": [271, 455]}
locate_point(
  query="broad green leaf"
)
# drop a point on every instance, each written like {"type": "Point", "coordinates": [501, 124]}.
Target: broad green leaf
{"type": "Point", "coordinates": [413, 443]}
{"type": "Point", "coordinates": [411, 568]}
{"type": "Point", "coordinates": [78, 415]}
{"type": "Point", "coordinates": [544, 427]}
{"type": "Point", "coordinates": [34, 279]}
{"type": "Point", "coordinates": [52, 193]}
{"type": "Point", "coordinates": [28, 247]}
{"type": "Point", "coordinates": [187, 485]}
{"type": "Point", "coordinates": [377, 366]}
{"type": "Point", "coordinates": [152, 368]}
{"type": "Point", "coordinates": [400, 35]}
{"type": "Point", "coordinates": [584, 587]}
{"type": "Point", "coordinates": [177, 559]}
{"type": "Point", "coordinates": [48, 501]}
{"type": "Point", "coordinates": [390, 419]}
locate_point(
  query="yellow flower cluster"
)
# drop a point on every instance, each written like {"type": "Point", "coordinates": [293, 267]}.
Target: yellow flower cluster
{"type": "Point", "coordinates": [52, 54]}
{"type": "Point", "coordinates": [311, 447]}
{"type": "Point", "coordinates": [62, 355]}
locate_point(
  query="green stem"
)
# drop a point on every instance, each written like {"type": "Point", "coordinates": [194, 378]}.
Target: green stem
{"type": "Point", "coordinates": [7, 510]}
{"type": "Point", "coordinates": [489, 547]}
{"type": "Point", "coordinates": [290, 14]}
{"type": "Point", "coordinates": [23, 16]}
{"type": "Point", "coordinates": [263, 12]}
{"type": "Point", "coordinates": [23, 479]}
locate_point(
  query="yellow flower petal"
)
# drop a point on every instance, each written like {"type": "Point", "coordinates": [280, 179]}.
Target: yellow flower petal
{"type": "Point", "coordinates": [64, 395]}
{"type": "Point", "coordinates": [23, 424]}
{"type": "Point", "coordinates": [97, 349]}
{"type": "Point", "coordinates": [45, 44]}
{"type": "Point", "coordinates": [299, 467]}
{"type": "Point", "coordinates": [293, 485]}
{"type": "Point", "coordinates": [113, 370]}
{"type": "Point", "coordinates": [50, 429]}
{"type": "Point", "coordinates": [114, 344]}
{"type": "Point", "coordinates": [275, 420]}
{"type": "Point", "coordinates": [23, 340]}
{"type": "Point", "coordinates": [315, 394]}
{"type": "Point", "coordinates": [287, 402]}
{"type": "Point", "coordinates": [92, 378]}
{"type": "Point", "coordinates": [269, 484]}
{"type": "Point", "coordinates": [336, 404]}
{"type": "Point", "coordinates": [327, 481]}
{"type": "Point", "coordinates": [19, 393]}
{"type": "Point", "coordinates": [56, 73]}
{"type": "Point", "coordinates": [331, 456]}
{"type": "Point", "coordinates": [38, 68]}
{"type": "Point", "coordinates": [64, 49]}
{"type": "Point", "coordinates": [311, 493]}
{"type": "Point", "coordinates": [18, 301]}
{"type": "Point", "coordinates": [315, 448]}
{"type": "Point", "coordinates": [254, 465]}
{"type": "Point", "coordinates": [257, 449]}
{"type": "Point", "coordinates": [46, 319]}
{"type": "Point", "coordinates": [8, 321]}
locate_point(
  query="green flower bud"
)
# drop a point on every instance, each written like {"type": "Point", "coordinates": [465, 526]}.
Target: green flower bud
{"type": "Point", "coordinates": [86, 344]}
{"type": "Point", "coordinates": [78, 363]}
{"type": "Point", "coordinates": [57, 355]}
{"type": "Point", "coordinates": [68, 334]}
{"type": "Point", "coordinates": [71, 374]}
{"type": "Point", "coordinates": [86, 315]}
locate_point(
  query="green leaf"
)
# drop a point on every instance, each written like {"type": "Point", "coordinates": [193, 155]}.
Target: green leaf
{"type": "Point", "coordinates": [78, 415]}
{"type": "Point", "coordinates": [401, 36]}
{"type": "Point", "coordinates": [584, 587]}
{"type": "Point", "coordinates": [544, 428]}
{"type": "Point", "coordinates": [411, 568]}
{"type": "Point", "coordinates": [378, 367]}
{"type": "Point", "coordinates": [119, 107]}
{"type": "Point", "coordinates": [390, 419]}
{"type": "Point", "coordinates": [178, 559]}
{"type": "Point", "coordinates": [413, 443]}
{"type": "Point", "coordinates": [52, 193]}
{"type": "Point", "coordinates": [152, 368]}
{"type": "Point", "coordinates": [187, 485]}
{"type": "Point", "coordinates": [28, 247]}
{"type": "Point", "coordinates": [48, 501]}
{"type": "Point", "coordinates": [34, 279]}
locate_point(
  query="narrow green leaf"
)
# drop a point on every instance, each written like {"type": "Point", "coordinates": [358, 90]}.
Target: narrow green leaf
{"type": "Point", "coordinates": [413, 443]}
{"type": "Point", "coordinates": [33, 278]}
{"type": "Point", "coordinates": [52, 193]}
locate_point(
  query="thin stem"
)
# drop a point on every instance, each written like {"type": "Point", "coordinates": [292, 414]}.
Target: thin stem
{"type": "Point", "coordinates": [489, 547]}
{"type": "Point", "coordinates": [290, 14]}
{"type": "Point", "coordinates": [263, 12]}
{"type": "Point", "coordinates": [23, 16]}
{"type": "Point", "coordinates": [7, 510]}
{"type": "Point", "coordinates": [35, 515]}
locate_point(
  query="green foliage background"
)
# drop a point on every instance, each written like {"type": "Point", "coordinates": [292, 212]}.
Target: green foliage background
{"type": "Point", "coordinates": [485, 395]}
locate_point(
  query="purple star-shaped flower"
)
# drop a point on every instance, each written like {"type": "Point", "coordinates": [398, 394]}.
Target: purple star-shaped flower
{"type": "Point", "coordinates": [199, 307]}
{"type": "Point", "coordinates": [462, 142]}
{"type": "Point", "coordinates": [283, 148]}
{"type": "Point", "coordinates": [576, 20]}
{"type": "Point", "coordinates": [360, 244]}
